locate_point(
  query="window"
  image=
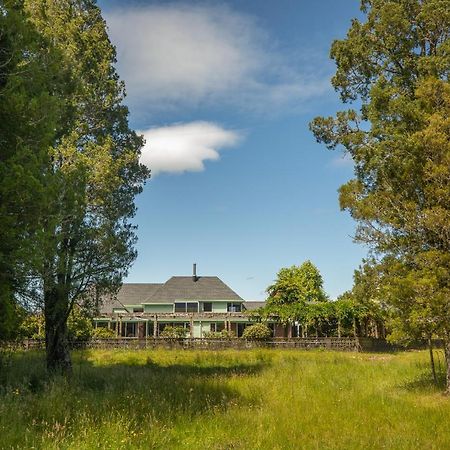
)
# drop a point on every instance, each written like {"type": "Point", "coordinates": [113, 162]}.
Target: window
{"type": "Point", "coordinates": [192, 307]}
{"type": "Point", "coordinates": [234, 307]}
{"type": "Point", "coordinates": [217, 326]}
{"type": "Point", "coordinates": [207, 306]}
{"type": "Point", "coordinates": [180, 307]}
{"type": "Point", "coordinates": [240, 329]}
{"type": "Point", "coordinates": [130, 329]}
{"type": "Point", "coordinates": [138, 310]}
{"type": "Point", "coordinates": [186, 307]}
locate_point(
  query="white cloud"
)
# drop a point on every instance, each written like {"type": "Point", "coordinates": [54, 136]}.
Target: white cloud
{"type": "Point", "coordinates": [176, 55]}
{"type": "Point", "coordinates": [185, 147]}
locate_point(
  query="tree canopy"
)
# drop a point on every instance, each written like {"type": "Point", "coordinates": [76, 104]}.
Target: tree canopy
{"type": "Point", "coordinates": [396, 66]}
{"type": "Point", "coordinates": [297, 284]}
{"type": "Point", "coordinates": [69, 143]}
{"type": "Point", "coordinates": [29, 111]}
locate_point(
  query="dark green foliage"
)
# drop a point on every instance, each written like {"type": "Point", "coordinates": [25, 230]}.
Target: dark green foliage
{"type": "Point", "coordinates": [29, 111]}
{"type": "Point", "coordinates": [69, 162]}
{"type": "Point", "coordinates": [79, 326]}
{"type": "Point", "coordinates": [397, 65]}
{"type": "Point", "coordinates": [11, 316]}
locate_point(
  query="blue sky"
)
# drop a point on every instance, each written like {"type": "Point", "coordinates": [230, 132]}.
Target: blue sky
{"type": "Point", "coordinates": [224, 92]}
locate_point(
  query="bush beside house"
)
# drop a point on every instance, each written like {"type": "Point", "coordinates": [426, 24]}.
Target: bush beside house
{"type": "Point", "coordinates": [257, 332]}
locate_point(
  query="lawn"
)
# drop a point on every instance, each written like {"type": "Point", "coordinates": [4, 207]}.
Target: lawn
{"type": "Point", "coordinates": [256, 399]}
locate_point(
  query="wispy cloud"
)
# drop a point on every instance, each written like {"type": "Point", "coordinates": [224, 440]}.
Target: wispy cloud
{"type": "Point", "coordinates": [185, 55]}
{"type": "Point", "coordinates": [185, 147]}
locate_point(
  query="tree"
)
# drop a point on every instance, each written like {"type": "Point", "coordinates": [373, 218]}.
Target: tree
{"type": "Point", "coordinates": [366, 302]}
{"type": "Point", "coordinates": [397, 66]}
{"type": "Point", "coordinates": [29, 112]}
{"type": "Point", "coordinates": [79, 326]}
{"type": "Point", "coordinates": [418, 296]}
{"type": "Point", "coordinates": [92, 171]}
{"type": "Point", "coordinates": [297, 284]}
{"type": "Point", "coordinates": [294, 289]}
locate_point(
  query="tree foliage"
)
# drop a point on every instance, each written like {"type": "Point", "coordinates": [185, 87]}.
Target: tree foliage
{"type": "Point", "coordinates": [71, 147]}
{"type": "Point", "coordinates": [297, 284]}
{"type": "Point", "coordinates": [79, 326]}
{"type": "Point", "coordinates": [29, 111]}
{"type": "Point", "coordinates": [297, 296]}
{"type": "Point", "coordinates": [396, 65]}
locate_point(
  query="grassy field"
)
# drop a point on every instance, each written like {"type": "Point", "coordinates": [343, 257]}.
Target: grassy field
{"type": "Point", "coordinates": [256, 399]}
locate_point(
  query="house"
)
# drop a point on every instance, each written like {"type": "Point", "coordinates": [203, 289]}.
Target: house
{"type": "Point", "coordinates": [200, 304]}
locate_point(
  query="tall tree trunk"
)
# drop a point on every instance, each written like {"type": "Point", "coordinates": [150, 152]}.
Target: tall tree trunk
{"type": "Point", "coordinates": [433, 367]}
{"type": "Point", "coordinates": [447, 360]}
{"type": "Point", "coordinates": [56, 339]}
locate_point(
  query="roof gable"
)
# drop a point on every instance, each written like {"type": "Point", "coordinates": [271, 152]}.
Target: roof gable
{"type": "Point", "coordinates": [129, 294]}
{"type": "Point", "coordinates": [253, 305]}
{"type": "Point", "coordinates": [185, 288]}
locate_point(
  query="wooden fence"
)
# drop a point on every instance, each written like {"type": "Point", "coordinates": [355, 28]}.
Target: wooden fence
{"type": "Point", "coordinates": [331, 343]}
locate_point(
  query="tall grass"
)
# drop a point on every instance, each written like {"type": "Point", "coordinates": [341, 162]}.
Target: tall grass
{"type": "Point", "coordinates": [256, 399]}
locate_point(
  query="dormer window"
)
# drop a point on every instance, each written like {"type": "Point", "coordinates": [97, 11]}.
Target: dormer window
{"type": "Point", "coordinates": [182, 307]}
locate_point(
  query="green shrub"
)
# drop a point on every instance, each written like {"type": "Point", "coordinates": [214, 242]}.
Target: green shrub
{"type": "Point", "coordinates": [79, 326]}
{"type": "Point", "coordinates": [224, 334]}
{"type": "Point", "coordinates": [103, 333]}
{"type": "Point", "coordinates": [33, 327]}
{"type": "Point", "coordinates": [170, 333]}
{"type": "Point", "coordinates": [257, 332]}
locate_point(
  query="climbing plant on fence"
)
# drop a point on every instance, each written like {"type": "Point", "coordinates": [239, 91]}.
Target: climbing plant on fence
{"type": "Point", "coordinates": [343, 317]}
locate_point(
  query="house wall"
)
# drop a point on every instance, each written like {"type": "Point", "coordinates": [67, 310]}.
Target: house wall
{"type": "Point", "coordinates": [198, 329]}
{"type": "Point", "coordinates": [160, 308]}
{"type": "Point", "coordinates": [219, 306]}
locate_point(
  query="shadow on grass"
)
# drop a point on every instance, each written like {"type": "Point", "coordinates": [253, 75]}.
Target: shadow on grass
{"type": "Point", "coordinates": [425, 382]}
{"type": "Point", "coordinates": [137, 392]}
